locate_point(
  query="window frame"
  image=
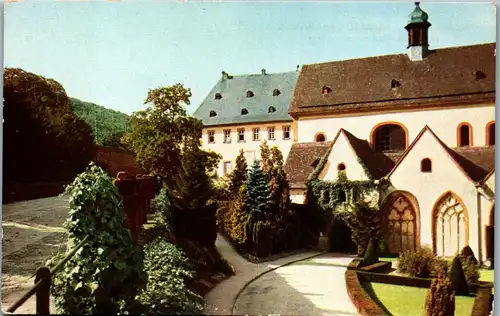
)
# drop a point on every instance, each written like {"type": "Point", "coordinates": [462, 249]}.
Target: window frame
{"type": "Point", "coordinates": [285, 131]}
{"type": "Point", "coordinates": [241, 132]}
{"type": "Point", "coordinates": [211, 136]}
{"type": "Point", "coordinates": [271, 129]}
{"type": "Point", "coordinates": [256, 131]}
{"type": "Point", "coordinates": [227, 138]}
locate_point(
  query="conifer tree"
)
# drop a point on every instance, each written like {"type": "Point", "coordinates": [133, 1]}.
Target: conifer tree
{"type": "Point", "coordinates": [239, 175]}
{"type": "Point", "coordinates": [265, 158]}
{"type": "Point", "coordinates": [258, 192]}
{"type": "Point", "coordinates": [239, 215]}
{"type": "Point", "coordinates": [279, 186]}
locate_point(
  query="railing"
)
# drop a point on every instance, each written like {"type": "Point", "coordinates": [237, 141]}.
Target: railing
{"type": "Point", "coordinates": [43, 281]}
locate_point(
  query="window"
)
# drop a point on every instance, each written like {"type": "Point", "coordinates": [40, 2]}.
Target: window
{"type": "Point", "coordinates": [464, 135]}
{"type": "Point", "coordinates": [320, 138]}
{"type": "Point", "coordinates": [241, 134]}
{"type": "Point", "coordinates": [479, 75]}
{"type": "Point", "coordinates": [227, 167]}
{"type": "Point", "coordinates": [218, 96]}
{"type": "Point", "coordinates": [341, 167]}
{"type": "Point", "coordinates": [315, 163]}
{"type": "Point", "coordinates": [270, 133]}
{"type": "Point", "coordinates": [490, 134]}
{"type": "Point", "coordinates": [256, 133]}
{"type": "Point", "coordinates": [276, 92]}
{"type": "Point", "coordinates": [389, 137]}
{"type": "Point", "coordinates": [227, 136]}
{"type": "Point", "coordinates": [271, 109]}
{"type": "Point", "coordinates": [286, 132]}
{"type": "Point", "coordinates": [326, 90]}
{"type": "Point", "coordinates": [212, 113]}
{"type": "Point", "coordinates": [249, 94]}
{"type": "Point", "coordinates": [426, 165]}
{"type": "Point", "coordinates": [395, 84]}
{"type": "Point", "coordinates": [244, 111]}
{"type": "Point", "coordinates": [211, 137]}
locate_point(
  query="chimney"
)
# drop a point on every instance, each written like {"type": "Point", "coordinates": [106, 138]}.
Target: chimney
{"type": "Point", "coordinates": [225, 75]}
{"type": "Point", "coordinates": [263, 71]}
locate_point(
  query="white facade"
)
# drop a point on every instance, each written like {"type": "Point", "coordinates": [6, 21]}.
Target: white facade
{"type": "Point", "coordinates": [444, 122]}
{"type": "Point", "coordinates": [230, 147]}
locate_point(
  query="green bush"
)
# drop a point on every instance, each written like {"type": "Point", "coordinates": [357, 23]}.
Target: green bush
{"type": "Point", "coordinates": [160, 207]}
{"type": "Point", "coordinates": [439, 267]}
{"type": "Point", "coordinates": [371, 255]}
{"type": "Point", "coordinates": [468, 253]}
{"type": "Point", "coordinates": [440, 300]}
{"type": "Point", "coordinates": [106, 273]}
{"type": "Point", "coordinates": [418, 263]}
{"type": "Point", "coordinates": [166, 292]}
{"type": "Point", "coordinates": [457, 277]}
{"type": "Point", "coordinates": [471, 269]}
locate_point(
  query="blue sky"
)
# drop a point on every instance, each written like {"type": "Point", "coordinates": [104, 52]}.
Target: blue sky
{"type": "Point", "coordinates": [112, 53]}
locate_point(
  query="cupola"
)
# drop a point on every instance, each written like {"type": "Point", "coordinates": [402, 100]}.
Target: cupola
{"type": "Point", "coordinates": [418, 28]}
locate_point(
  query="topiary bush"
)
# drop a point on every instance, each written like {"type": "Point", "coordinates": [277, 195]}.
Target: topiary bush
{"type": "Point", "coordinates": [471, 269]}
{"type": "Point", "coordinates": [418, 263]}
{"type": "Point", "coordinates": [371, 255]}
{"type": "Point", "coordinates": [106, 273]}
{"type": "Point", "coordinates": [468, 253]}
{"type": "Point", "coordinates": [457, 277]}
{"type": "Point", "coordinates": [160, 207]}
{"type": "Point", "coordinates": [440, 300]}
{"type": "Point", "coordinates": [166, 292]}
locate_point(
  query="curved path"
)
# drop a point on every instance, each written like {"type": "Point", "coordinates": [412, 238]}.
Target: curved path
{"type": "Point", "coordinates": [314, 286]}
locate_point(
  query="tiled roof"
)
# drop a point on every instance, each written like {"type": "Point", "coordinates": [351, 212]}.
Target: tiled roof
{"type": "Point", "coordinates": [299, 163]}
{"type": "Point", "coordinates": [446, 74]}
{"type": "Point", "coordinates": [475, 162]}
{"type": "Point", "coordinates": [233, 91]}
{"type": "Point", "coordinates": [378, 164]}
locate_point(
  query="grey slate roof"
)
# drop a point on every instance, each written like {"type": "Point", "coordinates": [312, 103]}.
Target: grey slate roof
{"type": "Point", "coordinates": [234, 98]}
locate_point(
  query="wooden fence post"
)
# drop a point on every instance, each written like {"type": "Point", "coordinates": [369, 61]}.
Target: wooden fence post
{"type": "Point", "coordinates": [43, 292]}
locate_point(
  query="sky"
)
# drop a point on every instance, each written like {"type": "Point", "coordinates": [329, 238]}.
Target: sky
{"type": "Point", "coordinates": [112, 52]}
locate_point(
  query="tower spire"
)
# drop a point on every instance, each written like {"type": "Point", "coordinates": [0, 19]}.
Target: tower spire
{"type": "Point", "coordinates": [418, 27]}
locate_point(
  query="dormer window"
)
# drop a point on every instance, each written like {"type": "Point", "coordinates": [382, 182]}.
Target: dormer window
{"type": "Point", "coordinates": [479, 75]}
{"type": "Point", "coordinates": [395, 84]}
{"type": "Point", "coordinates": [244, 111]}
{"type": "Point", "coordinates": [276, 92]}
{"type": "Point", "coordinates": [249, 94]}
{"type": "Point", "coordinates": [326, 90]}
{"type": "Point", "coordinates": [218, 96]}
{"type": "Point", "coordinates": [213, 113]}
{"type": "Point", "coordinates": [315, 163]}
{"type": "Point", "coordinates": [271, 109]}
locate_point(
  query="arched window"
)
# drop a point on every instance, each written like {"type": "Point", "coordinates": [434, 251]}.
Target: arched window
{"type": "Point", "coordinates": [249, 94]}
{"type": "Point", "coordinates": [341, 167]}
{"type": "Point", "coordinates": [244, 111]}
{"type": "Point", "coordinates": [213, 113]}
{"type": "Point", "coordinates": [320, 138]}
{"type": "Point", "coordinates": [426, 165]}
{"type": "Point", "coordinates": [464, 135]}
{"type": "Point", "coordinates": [490, 134]}
{"type": "Point", "coordinates": [389, 137]}
{"type": "Point", "coordinates": [218, 96]}
{"type": "Point", "coordinates": [271, 109]}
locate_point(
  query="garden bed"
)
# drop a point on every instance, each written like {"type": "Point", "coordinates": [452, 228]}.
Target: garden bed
{"type": "Point", "coordinates": [389, 294]}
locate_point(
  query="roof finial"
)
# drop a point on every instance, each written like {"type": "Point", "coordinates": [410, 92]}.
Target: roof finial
{"type": "Point", "coordinates": [417, 3]}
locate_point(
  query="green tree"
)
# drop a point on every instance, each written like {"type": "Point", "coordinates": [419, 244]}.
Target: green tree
{"type": "Point", "coordinates": [240, 212]}
{"type": "Point", "coordinates": [40, 129]}
{"type": "Point", "coordinates": [265, 158]}
{"type": "Point", "coordinates": [159, 134]}
{"type": "Point", "coordinates": [238, 175]}
{"type": "Point", "coordinates": [279, 186]}
{"type": "Point", "coordinates": [258, 193]}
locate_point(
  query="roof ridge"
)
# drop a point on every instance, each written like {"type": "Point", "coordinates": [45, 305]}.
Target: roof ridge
{"type": "Point", "coordinates": [261, 75]}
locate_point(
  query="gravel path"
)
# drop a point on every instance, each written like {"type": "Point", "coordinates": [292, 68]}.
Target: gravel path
{"type": "Point", "coordinates": [314, 286]}
{"type": "Point", "coordinates": [31, 233]}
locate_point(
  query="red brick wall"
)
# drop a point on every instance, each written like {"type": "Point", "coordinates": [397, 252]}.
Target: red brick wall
{"type": "Point", "coordinates": [115, 160]}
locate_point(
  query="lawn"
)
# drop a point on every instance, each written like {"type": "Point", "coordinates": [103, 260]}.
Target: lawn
{"type": "Point", "coordinates": [409, 301]}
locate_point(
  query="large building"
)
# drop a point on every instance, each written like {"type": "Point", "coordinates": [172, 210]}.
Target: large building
{"type": "Point", "coordinates": [424, 120]}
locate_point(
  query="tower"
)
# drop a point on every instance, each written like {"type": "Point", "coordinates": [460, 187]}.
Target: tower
{"type": "Point", "coordinates": [418, 28]}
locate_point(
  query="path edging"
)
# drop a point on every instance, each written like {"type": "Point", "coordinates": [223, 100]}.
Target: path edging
{"type": "Point", "coordinates": [267, 271]}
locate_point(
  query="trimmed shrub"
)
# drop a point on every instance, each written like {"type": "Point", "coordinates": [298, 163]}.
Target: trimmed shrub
{"type": "Point", "coordinates": [160, 207]}
{"type": "Point", "coordinates": [418, 263]}
{"type": "Point", "coordinates": [457, 277]}
{"type": "Point", "coordinates": [371, 255]}
{"type": "Point", "coordinates": [468, 253]}
{"type": "Point", "coordinates": [439, 267]}
{"type": "Point", "coordinates": [471, 269]}
{"type": "Point", "coordinates": [166, 292]}
{"type": "Point", "coordinates": [440, 300]}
